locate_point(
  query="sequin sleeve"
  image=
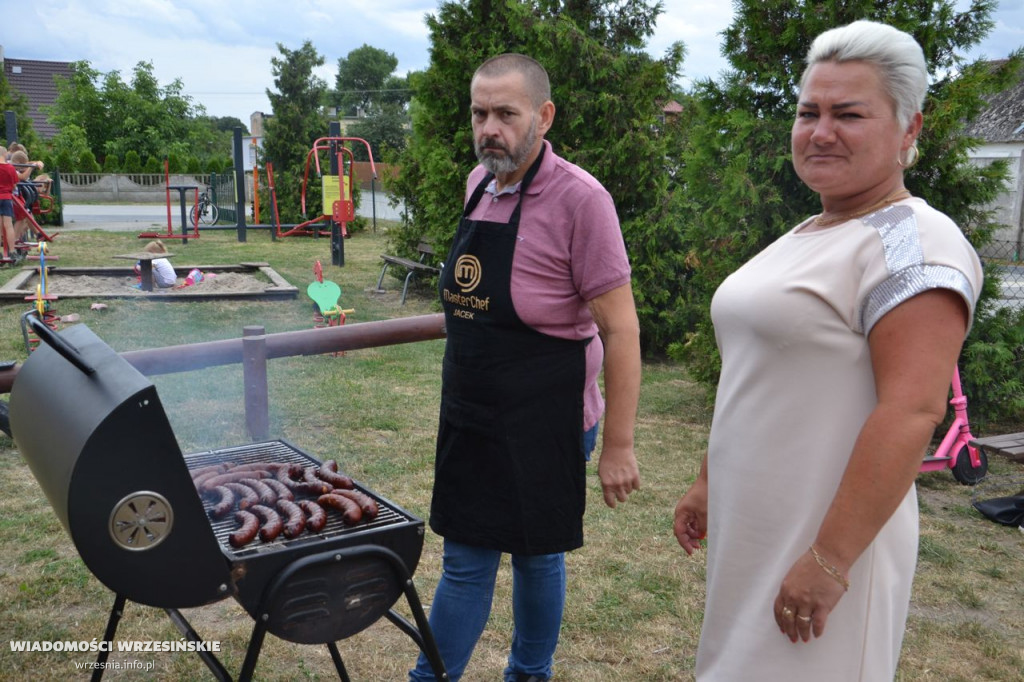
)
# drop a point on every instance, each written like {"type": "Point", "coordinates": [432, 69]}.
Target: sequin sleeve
{"type": "Point", "coordinates": [920, 254]}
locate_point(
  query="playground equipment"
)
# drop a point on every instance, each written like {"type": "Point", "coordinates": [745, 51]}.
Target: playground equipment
{"type": "Point", "coordinates": [957, 442]}
{"type": "Point", "coordinates": [45, 305]}
{"type": "Point", "coordinates": [338, 204]}
{"type": "Point", "coordinates": [325, 295]}
{"type": "Point", "coordinates": [182, 198]}
{"type": "Point", "coordinates": [41, 204]}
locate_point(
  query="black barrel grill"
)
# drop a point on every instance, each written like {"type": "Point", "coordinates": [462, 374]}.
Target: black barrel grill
{"type": "Point", "coordinates": [95, 435]}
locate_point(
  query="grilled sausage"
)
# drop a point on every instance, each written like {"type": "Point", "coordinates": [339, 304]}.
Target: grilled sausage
{"type": "Point", "coordinates": [272, 523]}
{"type": "Point", "coordinates": [246, 496]}
{"type": "Point", "coordinates": [224, 504]}
{"type": "Point", "coordinates": [266, 494]}
{"type": "Point", "coordinates": [316, 516]}
{"type": "Point", "coordinates": [254, 466]}
{"type": "Point", "coordinates": [200, 480]}
{"type": "Point", "coordinates": [283, 492]}
{"type": "Point", "coordinates": [212, 469]}
{"type": "Point", "coordinates": [312, 489]}
{"type": "Point", "coordinates": [248, 527]}
{"type": "Point", "coordinates": [230, 477]}
{"type": "Point", "coordinates": [351, 514]}
{"type": "Point", "coordinates": [335, 479]}
{"type": "Point", "coordinates": [330, 465]}
{"type": "Point", "coordinates": [288, 474]}
{"type": "Point", "coordinates": [366, 503]}
{"type": "Point", "coordinates": [296, 522]}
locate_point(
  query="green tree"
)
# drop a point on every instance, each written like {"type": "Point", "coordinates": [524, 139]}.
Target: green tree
{"type": "Point", "coordinates": [139, 115]}
{"type": "Point", "coordinates": [87, 162]}
{"type": "Point", "coordinates": [226, 124]}
{"type": "Point", "coordinates": [362, 78]}
{"type": "Point", "coordinates": [385, 131]}
{"type": "Point", "coordinates": [132, 162]}
{"type": "Point", "coordinates": [367, 87]}
{"type": "Point", "coordinates": [296, 123]}
{"type": "Point", "coordinates": [68, 146]}
{"type": "Point", "coordinates": [606, 90]}
{"type": "Point", "coordinates": [735, 190]}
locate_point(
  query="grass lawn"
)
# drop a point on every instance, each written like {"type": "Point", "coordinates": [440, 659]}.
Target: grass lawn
{"type": "Point", "coordinates": [635, 599]}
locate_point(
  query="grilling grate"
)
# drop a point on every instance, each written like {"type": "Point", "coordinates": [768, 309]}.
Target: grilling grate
{"type": "Point", "coordinates": [286, 453]}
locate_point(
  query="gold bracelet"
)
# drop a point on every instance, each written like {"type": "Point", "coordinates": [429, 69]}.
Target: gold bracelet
{"type": "Point", "coordinates": [830, 569]}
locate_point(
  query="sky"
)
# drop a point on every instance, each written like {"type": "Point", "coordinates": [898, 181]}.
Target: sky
{"type": "Point", "coordinates": [222, 51]}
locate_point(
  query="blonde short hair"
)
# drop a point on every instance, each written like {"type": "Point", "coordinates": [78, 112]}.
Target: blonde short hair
{"type": "Point", "coordinates": [897, 56]}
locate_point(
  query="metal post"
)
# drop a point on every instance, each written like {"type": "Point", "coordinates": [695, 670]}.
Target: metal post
{"type": "Point", "coordinates": [373, 199]}
{"type": "Point", "coordinates": [254, 377]}
{"type": "Point", "coordinates": [337, 243]}
{"type": "Point", "coordinates": [11, 123]}
{"type": "Point", "coordinates": [239, 185]}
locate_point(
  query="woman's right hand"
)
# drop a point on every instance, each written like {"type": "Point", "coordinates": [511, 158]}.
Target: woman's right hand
{"type": "Point", "coordinates": [691, 518]}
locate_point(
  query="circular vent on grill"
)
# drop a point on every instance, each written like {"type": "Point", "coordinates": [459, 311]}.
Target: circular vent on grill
{"type": "Point", "coordinates": [141, 521]}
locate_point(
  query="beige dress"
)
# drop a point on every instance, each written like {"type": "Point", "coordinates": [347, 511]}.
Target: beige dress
{"type": "Point", "coordinates": [795, 389]}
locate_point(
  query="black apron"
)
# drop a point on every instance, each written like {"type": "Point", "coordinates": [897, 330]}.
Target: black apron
{"type": "Point", "coordinates": [510, 474]}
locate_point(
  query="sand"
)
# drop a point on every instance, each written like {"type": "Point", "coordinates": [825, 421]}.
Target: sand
{"type": "Point", "coordinates": [216, 283]}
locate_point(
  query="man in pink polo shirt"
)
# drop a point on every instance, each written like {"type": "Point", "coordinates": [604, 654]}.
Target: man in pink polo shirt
{"type": "Point", "coordinates": [537, 299]}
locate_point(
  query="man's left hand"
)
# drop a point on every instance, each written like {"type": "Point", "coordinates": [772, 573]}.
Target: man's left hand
{"type": "Point", "coordinates": [619, 474]}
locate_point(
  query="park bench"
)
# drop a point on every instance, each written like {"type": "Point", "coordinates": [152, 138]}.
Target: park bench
{"type": "Point", "coordinates": [426, 253]}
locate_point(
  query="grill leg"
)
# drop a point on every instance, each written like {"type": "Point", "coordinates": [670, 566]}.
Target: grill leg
{"type": "Point", "coordinates": [421, 632]}
{"type": "Point", "coordinates": [338, 663]}
{"type": "Point", "coordinates": [185, 628]}
{"type": "Point", "coordinates": [252, 653]}
{"type": "Point", "coordinates": [115, 617]}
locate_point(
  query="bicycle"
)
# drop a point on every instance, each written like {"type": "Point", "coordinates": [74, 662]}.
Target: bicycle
{"type": "Point", "coordinates": [205, 211]}
{"type": "Point", "coordinates": [956, 443]}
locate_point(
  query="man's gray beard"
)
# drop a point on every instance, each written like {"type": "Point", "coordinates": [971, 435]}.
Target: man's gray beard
{"type": "Point", "coordinates": [510, 162]}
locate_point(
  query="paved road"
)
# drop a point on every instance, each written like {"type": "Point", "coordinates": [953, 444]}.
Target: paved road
{"type": "Point", "coordinates": [117, 217]}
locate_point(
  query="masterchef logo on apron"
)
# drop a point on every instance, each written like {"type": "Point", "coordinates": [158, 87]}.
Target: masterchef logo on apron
{"type": "Point", "coordinates": [467, 272]}
{"type": "Point", "coordinates": [467, 278]}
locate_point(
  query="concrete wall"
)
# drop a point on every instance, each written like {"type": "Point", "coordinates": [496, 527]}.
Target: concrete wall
{"type": "Point", "coordinates": [1009, 207]}
{"type": "Point", "coordinates": [125, 188]}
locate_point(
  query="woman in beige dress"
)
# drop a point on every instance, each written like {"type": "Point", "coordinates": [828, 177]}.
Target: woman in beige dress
{"type": "Point", "coordinates": [838, 344]}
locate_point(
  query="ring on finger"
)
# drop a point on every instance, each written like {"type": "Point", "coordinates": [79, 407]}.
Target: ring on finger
{"type": "Point", "coordinates": [787, 612]}
{"type": "Point", "coordinates": [805, 619]}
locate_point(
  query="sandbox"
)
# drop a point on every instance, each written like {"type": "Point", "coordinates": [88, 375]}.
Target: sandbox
{"type": "Point", "coordinates": [243, 281]}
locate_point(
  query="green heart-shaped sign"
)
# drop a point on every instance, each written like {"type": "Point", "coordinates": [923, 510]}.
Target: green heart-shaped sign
{"type": "Point", "coordinates": [324, 294]}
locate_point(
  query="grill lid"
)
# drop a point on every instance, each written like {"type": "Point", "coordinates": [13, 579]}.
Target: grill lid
{"type": "Point", "coordinates": [101, 447]}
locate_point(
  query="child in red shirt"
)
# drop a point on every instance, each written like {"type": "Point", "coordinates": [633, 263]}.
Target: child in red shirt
{"type": "Point", "coordinates": [8, 178]}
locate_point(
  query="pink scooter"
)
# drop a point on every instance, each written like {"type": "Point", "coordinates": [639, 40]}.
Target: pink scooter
{"type": "Point", "coordinates": [955, 444]}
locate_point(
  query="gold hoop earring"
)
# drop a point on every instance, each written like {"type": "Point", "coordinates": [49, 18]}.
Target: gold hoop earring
{"type": "Point", "coordinates": [913, 152]}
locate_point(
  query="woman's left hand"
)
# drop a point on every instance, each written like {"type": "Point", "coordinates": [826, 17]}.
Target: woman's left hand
{"type": "Point", "coordinates": [806, 598]}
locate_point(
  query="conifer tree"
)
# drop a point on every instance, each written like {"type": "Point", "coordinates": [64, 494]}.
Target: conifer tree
{"type": "Point", "coordinates": [297, 122]}
{"type": "Point", "coordinates": [736, 191]}
{"type": "Point", "coordinates": [607, 91]}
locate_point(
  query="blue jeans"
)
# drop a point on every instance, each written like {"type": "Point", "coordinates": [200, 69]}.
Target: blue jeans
{"type": "Point", "coordinates": [462, 605]}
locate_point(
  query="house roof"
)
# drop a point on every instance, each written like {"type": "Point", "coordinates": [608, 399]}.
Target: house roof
{"type": "Point", "coordinates": [1003, 119]}
{"type": "Point", "coordinates": [673, 107]}
{"type": "Point", "coordinates": [34, 80]}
